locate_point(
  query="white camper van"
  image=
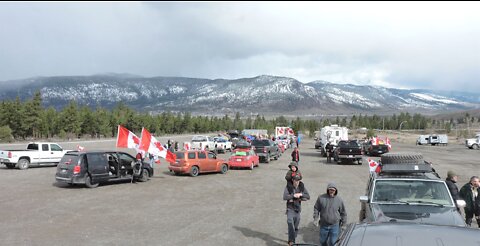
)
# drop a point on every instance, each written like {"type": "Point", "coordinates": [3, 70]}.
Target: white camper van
{"type": "Point", "coordinates": [432, 139]}
{"type": "Point", "coordinates": [332, 134]}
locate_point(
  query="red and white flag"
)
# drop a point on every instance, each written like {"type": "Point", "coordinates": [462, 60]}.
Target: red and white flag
{"type": "Point", "coordinates": [127, 139]}
{"type": "Point", "coordinates": [290, 131]}
{"type": "Point", "coordinates": [151, 145]}
{"type": "Point", "coordinates": [388, 144]}
{"type": "Point", "coordinates": [80, 148]}
{"type": "Point", "coordinates": [374, 167]}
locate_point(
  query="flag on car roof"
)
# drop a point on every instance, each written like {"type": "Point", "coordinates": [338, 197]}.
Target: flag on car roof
{"type": "Point", "coordinates": [80, 148]}
{"type": "Point", "coordinates": [151, 145]}
{"type": "Point", "coordinates": [127, 139]}
{"type": "Point", "coordinates": [388, 144]}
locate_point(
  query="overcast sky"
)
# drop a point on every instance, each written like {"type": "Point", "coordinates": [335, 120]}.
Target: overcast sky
{"type": "Point", "coordinates": [432, 45]}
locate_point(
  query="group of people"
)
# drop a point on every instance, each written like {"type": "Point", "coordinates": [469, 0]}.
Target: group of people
{"type": "Point", "coordinates": [329, 211]}
{"type": "Point", "coordinates": [468, 193]}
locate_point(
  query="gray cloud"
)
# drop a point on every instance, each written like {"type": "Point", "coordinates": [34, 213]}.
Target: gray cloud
{"type": "Point", "coordinates": [394, 44]}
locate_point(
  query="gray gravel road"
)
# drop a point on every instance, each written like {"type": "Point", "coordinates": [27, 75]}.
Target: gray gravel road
{"type": "Point", "coordinates": [242, 207]}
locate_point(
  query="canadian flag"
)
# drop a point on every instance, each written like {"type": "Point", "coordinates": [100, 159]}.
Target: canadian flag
{"type": "Point", "coordinates": [151, 145]}
{"type": "Point", "coordinates": [374, 167]}
{"type": "Point", "coordinates": [290, 131]}
{"type": "Point", "coordinates": [375, 141]}
{"type": "Point", "coordinates": [80, 148]}
{"type": "Point", "coordinates": [388, 144]}
{"type": "Point", "coordinates": [127, 139]}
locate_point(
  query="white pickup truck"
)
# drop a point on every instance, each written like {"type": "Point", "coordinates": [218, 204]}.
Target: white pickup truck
{"type": "Point", "coordinates": [37, 153]}
{"type": "Point", "coordinates": [473, 143]}
{"type": "Point", "coordinates": [203, 142]}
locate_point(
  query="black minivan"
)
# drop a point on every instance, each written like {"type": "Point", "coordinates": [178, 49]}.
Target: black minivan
{"type": "Point", "coordinates": [94, 167]}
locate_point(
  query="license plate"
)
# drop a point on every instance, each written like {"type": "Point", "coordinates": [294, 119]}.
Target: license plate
{"type": "Point", "coordinates": [351, 156]}
{"type": "Point", "coordinates": [380, 151]}
{"type": "Point", "coordinates": [64, 170]}
{"type": "Point", "coordinates": [239, 159]}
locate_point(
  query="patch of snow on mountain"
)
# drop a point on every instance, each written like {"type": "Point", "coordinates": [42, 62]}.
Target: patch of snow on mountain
{"type": "Point", "coordinates": [426, 97]}
{"type": "Point", "coordinates": [341, 96]}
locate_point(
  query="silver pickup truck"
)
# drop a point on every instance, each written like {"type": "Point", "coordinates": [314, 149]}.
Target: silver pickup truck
{"type": "Point", "coordinates": [36, 153]}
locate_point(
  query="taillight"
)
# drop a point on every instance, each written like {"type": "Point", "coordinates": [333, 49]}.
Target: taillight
{"type": "Point", "coordinates": [9, 154]}
{"type": "Point", "coordinates": [76, 170]}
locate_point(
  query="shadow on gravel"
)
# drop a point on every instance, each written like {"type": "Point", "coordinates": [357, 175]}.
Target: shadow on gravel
{"type": "Point", "coordinates": [314, 154]}
{"type": "Point", "coordinates": [309, 234]}
{"type": "Point", "coordinates": [269, 240]}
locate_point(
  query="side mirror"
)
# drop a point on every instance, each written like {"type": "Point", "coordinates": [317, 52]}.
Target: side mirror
{"type": "Point", "coordinates": [364, 199]}
{"type": "Point", "coordinates": [461, 203]}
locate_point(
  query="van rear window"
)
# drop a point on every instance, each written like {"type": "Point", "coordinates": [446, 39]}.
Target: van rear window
{"type": "Point", "coordinates": [69, 159]}
{"type": "Point", "coordinates": [180, 155]}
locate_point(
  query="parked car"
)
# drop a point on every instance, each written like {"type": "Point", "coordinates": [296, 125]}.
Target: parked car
{"type": "Point", "coordinates": [375, 148]}
{"type": "Point", "coordinates": [222, 145]}
{"type": "Point", "coordinates": [244, 158]}
{"type": "Point", "coordinates": [402, 233]}
{"type": "Point", "coordinates": [348, 150]}
{"type": "Point", "coordinates": [196, 162]}
{"type": "Point", "coordinates": [203, 143]}
{"type": "Point", "coordinates": [36, 153]}
{"type": "Point", "coordinates": [408, 189]}
{"type": "Point", "coordinates": [95, 167]}
{"type": "Point", "coordinates": [266, 149]}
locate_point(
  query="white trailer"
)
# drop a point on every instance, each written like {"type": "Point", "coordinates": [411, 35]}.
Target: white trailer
{"type": "Point", "coordinates": [432, 139]}
{"type": "Point", "coordinates": [332, 134]}
{"type": "Point", "coordinates": [423, 139]}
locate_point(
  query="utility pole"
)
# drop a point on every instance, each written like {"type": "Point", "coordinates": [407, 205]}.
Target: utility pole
{"type": "Point", "coordinates": [400, 128]}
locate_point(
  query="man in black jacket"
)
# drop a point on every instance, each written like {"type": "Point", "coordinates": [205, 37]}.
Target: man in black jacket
{"type": "Point", "coordinates": [469, 193]}
{"type": "Point", "coordinates": [452, 178]}
{"type": "Point", "coordinates": [294, 194]}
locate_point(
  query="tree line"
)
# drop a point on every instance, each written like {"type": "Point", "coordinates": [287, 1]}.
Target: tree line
{"type": "Point", "coordinates": [30, 119]}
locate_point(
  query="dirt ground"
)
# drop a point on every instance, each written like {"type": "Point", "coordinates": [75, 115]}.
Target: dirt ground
{"type": "Point", "coordinates": [242, 207]}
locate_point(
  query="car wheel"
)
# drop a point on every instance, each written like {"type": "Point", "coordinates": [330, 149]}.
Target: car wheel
{"type": "Point", "coordinates": [194, 171]}
{"type": "Point", "coordinates": [251, 166]}
{"type": "Point", "coordinates": [399, 158]}
{"type": "Point", "coordinates": [224, 168]}
{"type": "Point", "coordinates": [10, 166]}
{"type": "Point", "coordinates": [359, 162]}
{"type": "Point", "coordinates": [475, 146]}
{"type": "Point", "coordinates": [145, 175]}
{"type": "Point", "coordinates": [23, 164]}
{"type": "Point", "coordinates": [89, 183]}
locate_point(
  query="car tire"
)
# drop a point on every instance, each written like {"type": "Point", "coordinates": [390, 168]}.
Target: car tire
{"type": "Point", "coordinates": [400, 158]}
{"type": "Point", "coordinates": [89, 183]}
{"type": "Point", "coordinates": [145, 175]}
{"type": "Point", "coordinates": [475, 146]}
{"type": "Point", "coordinates": [23, 164]}
{"type": "Point", "coordinates": [194, 171]}
{"type": "Point", "coordinates": [360, 162]}
{"type": "Point", "coordinates": [224, 168]}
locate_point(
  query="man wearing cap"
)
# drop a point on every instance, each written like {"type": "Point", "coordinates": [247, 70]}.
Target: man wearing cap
{"type": "Point", "coordinates": [294, 194]}
{"type": "Point", "coordinates": [452, 178]}
{"type": "Point", "coordinates": [330, 210]}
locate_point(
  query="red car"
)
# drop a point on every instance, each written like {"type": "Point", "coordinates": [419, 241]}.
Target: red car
{"type": "Point", "coordinates": [244, 158]}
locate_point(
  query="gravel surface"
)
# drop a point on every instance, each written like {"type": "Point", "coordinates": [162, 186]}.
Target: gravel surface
{"type": "Point", "coordinates": [242, 207]}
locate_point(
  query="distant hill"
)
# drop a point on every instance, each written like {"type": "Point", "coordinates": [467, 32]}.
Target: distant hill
{"type": "Point", "coordinates": [268, 95]}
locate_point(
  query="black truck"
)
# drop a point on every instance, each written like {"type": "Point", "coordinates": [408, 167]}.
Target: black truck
{"type": "Point", "coordinates": [95, 167]}
{"type": "Point", "coordinates": [348, 150]}
{"type": "Point", "coordinates": [375, 149]}
{"type": "Point", "coordinates": [266, 149]}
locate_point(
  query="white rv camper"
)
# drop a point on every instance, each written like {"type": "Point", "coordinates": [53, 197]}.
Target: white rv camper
{"type": "Point", "coordinates": [332, 134]}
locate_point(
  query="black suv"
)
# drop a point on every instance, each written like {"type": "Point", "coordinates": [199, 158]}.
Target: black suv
{"type": "Point", "coordinates": [93, 168]}
{"type": "Point", "coordinates": [408, 189]}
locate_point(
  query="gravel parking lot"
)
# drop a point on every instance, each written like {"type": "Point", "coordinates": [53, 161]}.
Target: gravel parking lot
{"type": "Point", "coordinates": [242, 207]}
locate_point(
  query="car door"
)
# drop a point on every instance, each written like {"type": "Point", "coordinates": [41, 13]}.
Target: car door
{"type": "Point", "coordinates": [44, 155]}
{"type": "Point", "coordinates": [34, 152]}
{"type": "Point", "coordinates": [55, 153]}
{"type": "Point", "coordinates": [212, 161]}
{"type": "Point", "coordinates": [203, 162]}
{"type": "Point", "coordinates": [97, 166]}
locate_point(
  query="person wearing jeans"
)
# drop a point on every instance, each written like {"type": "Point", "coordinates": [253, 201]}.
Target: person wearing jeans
{"type": "Point", "coordinates": [294, 193]}
{"type": "Point", "coordinates": [329, 211]}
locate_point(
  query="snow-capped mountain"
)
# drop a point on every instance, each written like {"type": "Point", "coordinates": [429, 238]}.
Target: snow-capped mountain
{"type": "Point", "coordinates": [262, 94]}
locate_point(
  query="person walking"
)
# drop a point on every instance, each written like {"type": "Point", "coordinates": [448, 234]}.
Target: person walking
{"type": "Point", "coordinates": [329, 211]}
{"type": "Point", "coordinates": [328, 151]}
{"type": "Point", "coordinates": [295, 155]}
{"type": "Point", "coordinates": [294, 194]}
{"type": "Point", "coordinates": [469, 193]}
{"type": "Point", "coordinates": [451, 181]}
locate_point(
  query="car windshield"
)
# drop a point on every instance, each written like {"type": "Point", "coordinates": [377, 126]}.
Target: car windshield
{"type": "Point", "coordinates": [426, 192]}
{"type": "Point", "coordinates": [348, 144]}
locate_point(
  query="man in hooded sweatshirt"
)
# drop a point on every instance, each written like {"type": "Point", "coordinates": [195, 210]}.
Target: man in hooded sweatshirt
{"type": "Point", "coordinates": [294, 194]}
{"type": "Point", "coordinates": [330, 210]}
